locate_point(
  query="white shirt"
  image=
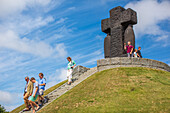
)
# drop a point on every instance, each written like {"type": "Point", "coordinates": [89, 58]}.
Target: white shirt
{"type": "Point", "coordinates": [36, 85]}
{"type": "Point", "coordinates": [135, 55]}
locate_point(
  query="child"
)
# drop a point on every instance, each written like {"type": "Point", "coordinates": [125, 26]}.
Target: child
{"type": "Point", "coordinates": [139, 53]}
{"type": "Point", "coordinates": [135, 53]}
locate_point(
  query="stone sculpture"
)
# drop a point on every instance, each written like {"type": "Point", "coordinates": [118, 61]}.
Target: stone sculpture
{"type": "Point", "coordinates": [107, 46]}
{"type": "Point", "coordinates": [119, 30]}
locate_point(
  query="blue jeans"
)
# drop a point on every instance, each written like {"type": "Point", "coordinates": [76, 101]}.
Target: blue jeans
{"type": "Point", "coordinates": [130, 55]}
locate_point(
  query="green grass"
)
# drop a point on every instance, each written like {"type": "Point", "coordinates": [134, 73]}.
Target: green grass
{"type": "Point", "coordinates": [18, 109]}
{"type": "Point", "coordinates": [129, 90]}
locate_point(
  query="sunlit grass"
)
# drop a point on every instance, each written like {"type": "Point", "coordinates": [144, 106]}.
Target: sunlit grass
{"type": "Point", "coordinates": [117, 90]}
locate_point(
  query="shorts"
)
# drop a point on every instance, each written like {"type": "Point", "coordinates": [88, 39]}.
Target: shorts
{"type": "Point", "coordinates": [41, 92]}
{"type": "Point", "coordinates": [33, 98]}
{"type": "Point", "coordinates": [26, 96]}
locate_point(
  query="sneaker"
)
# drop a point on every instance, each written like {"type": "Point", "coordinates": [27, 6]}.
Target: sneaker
{"type": "Point", "coordinates": [40, 105]}
{"type": "Point", "coordinates": [29, 107]}
{"type": "Point", "coordinates": [26, 109]}
{"type": "Point", "coordinates": [45, 100]}
{"type": "Point", "coordinates": [37, 108]}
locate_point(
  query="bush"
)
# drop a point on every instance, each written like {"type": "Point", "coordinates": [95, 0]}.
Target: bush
{"type": "Point", "coordinates": [2, 109]}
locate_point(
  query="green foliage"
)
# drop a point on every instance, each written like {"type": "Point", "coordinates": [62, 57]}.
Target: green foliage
{"type": "Point", "coordinates": [3, 110]}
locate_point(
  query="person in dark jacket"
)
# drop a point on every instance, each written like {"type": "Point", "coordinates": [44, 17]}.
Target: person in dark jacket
{"type": "Point", "coordinates": [139, 53]}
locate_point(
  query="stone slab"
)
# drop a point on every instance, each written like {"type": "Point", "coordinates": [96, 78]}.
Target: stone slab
{"type": "Point", "coordinates": [109, 63]}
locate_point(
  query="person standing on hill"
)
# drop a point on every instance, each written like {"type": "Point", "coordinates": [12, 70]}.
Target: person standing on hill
{"type": "Point", "coordinates": [71, 65]}
{"type": "Point", "coordinates": [139, 53]}
{"type": "Point", "coordinates": [129, 49]}
{"type": "Point", "coordinates": [28, 93]}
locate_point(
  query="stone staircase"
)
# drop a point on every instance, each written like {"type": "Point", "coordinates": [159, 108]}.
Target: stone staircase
{"type": "Point", "coordinates": [64, 88]}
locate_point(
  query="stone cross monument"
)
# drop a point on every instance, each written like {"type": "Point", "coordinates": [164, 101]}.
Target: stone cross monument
{"type": "Point", "coordinates": [119, 30]}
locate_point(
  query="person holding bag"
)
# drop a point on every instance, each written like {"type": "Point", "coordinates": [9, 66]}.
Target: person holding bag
{"type": "Point", "coordinates": [71, 65]}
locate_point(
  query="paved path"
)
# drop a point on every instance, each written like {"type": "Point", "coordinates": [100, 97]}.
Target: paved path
{"type": "Point", "coordinates": [64, 88]}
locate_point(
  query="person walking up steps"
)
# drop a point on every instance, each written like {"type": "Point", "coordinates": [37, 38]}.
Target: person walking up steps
{"type": "Point", "coordinates": [28, 92]}
{"type": "Point", "coordinates": [71, 65]}
{"type": "Point", "coordinates": [35, 95]}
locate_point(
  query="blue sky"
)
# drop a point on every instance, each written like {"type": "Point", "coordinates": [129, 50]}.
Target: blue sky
{"type": "Point", "coordinates": [37, 36]}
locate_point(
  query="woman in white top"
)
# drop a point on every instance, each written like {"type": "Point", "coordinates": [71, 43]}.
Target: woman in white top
{"type": "Point", "coordinates": [71, 65]}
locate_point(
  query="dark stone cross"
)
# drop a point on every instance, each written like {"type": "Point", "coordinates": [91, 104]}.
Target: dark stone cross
{"type": "Point", "coordinates": [119, 30]}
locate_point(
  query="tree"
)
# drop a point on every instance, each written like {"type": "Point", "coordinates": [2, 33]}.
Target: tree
{"type": "Point", "coordinates": [2, 109]}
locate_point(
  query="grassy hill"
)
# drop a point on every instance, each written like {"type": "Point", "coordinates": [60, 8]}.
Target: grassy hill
{"type": "Point", "coordinates": [117, 90]}
{"type": "Point", "coordinates": [20, 108]}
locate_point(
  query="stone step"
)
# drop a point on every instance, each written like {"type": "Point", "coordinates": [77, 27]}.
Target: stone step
{"type": "Point", "coordinates": [64, 88]}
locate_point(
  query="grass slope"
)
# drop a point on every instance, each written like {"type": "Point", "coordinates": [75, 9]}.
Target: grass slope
{"type": "Point", "coordinates": [117, 90]}
{"type": "Point", "coordinates": [18, 109]}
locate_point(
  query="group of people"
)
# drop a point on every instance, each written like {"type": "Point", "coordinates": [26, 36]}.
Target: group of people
{"type": "Point", "coordinates": [39, 86]}
{"type": "Point", "coordinates": [34, 90]}
{"type": "Point", "coordinates": [131, 52]}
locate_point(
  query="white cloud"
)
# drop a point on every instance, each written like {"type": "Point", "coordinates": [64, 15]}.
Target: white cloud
{"type": "Point", "coordinates": [150, 13]}
{"type": "Point", "coordinates": [26, 54]}
{"type": "Point", "coordinates": [61, 49]}
{"type": "Point", "coordinates": [6, 97]}
{"type": "Point", "coordinates": [24, 24]}
{"type": "Point", "coordinates": [162, 38]}
{"type": "Point", "coordinates": [99, 37]}
{"type": "Point", "coordinates": [15, 7]}
{"type": "Point", "coordinates": [61, 20]}
{"type": "Point", "coordinates": [42, 2]}
{"type": "Point", "coordinates": [92, 61]}
{"type": "Point", "coordinates": [11, 40]}
{"type": "Point", "coordinates": [91, 58]}
{"type": "Point", "coordinates": [11, 107]}
{"type": "Point", "coordinates": [63, 73]}
{"type": "Point", "coordinates": [28, 24]}
{"type": "Point", "coordinates": [72, 8]}
{"type": "Point", "coordinates": [13, 28]}
{"type": "Point", "coordinates": [92, 54]}
{"type": "Point", "coordinates": [60, 75]}
{"type": "Point", "coordinates": [8, 7]}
